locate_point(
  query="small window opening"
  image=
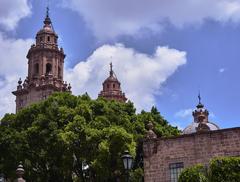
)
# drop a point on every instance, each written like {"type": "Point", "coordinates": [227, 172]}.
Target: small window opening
{"type": "Point", "coordinates": [21, 103]}
{"type": "Point", "coordinates": [36, 69]}
{"type": "Point", "coordinates": [48, 68]}
{"type": "Point", "coordinates": [59, 72]}
{"type": "Point", "coordinates": [175, 170]}
{"type": "Point", "coordinates": [107, 85]}
{"type": "Point", "coordinates": [113, 85]}
{"type": "Point", "coordinates": [48, 38]}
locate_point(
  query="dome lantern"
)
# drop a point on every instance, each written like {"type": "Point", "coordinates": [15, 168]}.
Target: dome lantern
{"type": "Point", "coordinates": [201, 122]}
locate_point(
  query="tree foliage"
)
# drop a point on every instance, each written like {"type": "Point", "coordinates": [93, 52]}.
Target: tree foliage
{"type": "Point", "coordinates": [74, 138]}
{"type": "Point", "coordinates": [221, 169]}
{"type": "Point", "coordinates": [194, 174]}
{"type": "Point", "coordinates": [225, 169]}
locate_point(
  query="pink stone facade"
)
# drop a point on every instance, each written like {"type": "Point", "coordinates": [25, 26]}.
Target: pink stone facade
{"type": "Point", "coordinates": [45, 69]}
{"type": "Point", "coordinates": [189, 149]}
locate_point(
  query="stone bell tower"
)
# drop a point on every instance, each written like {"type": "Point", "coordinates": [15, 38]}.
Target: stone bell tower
{"type": "Point", "coordinates": [45, 68]}
{"type": "Point", "coordinates": [112, 88]}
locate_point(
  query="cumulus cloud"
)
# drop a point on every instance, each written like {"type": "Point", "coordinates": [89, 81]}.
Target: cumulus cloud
{"type": "Point", "coordinates": [221, 70]}
{"type": "Point", "coordinates": [185, 113]}
{"type": "Point", "coordinates": [11, 11]}
{"type": "Point", "coordinates": [109, 19]}
{"type": "Point", "coordinates": [13, 65]}
{"type": "Point", "coordinates": [141, 75]}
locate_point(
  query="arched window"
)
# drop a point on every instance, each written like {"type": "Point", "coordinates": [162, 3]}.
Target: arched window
{"type": "Point", "coordinates": [36, 69]}
{"type": "Point", "coordinates": [107, 85]}
{"type": "Point", "coordinates": [48, 68]}
{"type": "Point", "coordinates": [48, 38]}
{"type": "Point", "coordinates": [113, 85]}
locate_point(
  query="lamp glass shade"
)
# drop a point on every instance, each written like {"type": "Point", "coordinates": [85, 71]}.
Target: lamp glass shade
{"type": "Point", "coordinates": [127, 160]}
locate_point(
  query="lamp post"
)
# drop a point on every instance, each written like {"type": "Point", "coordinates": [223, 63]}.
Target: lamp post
{"type": "Point", "coordinates": [127, 161]}
{"type": "Point", "coordinates": [20, 172]}
{"type": "Point", "coordinates": [2, 177]}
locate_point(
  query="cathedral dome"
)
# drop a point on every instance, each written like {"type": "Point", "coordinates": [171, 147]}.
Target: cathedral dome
{"type": "Point", "coordinates": [192, 128]}
{"type": "Point", "coordinates": [201, 122]}
{"type": "Point", "coordinates": [111, 78]}
{"type": "Point", "coordinates": [46, 29]}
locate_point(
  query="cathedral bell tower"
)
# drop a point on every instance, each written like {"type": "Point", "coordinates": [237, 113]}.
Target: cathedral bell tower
{"type": "Point", "coordinates": [112, 88]}
{"type": "Point", "coordinates": [45, 68]}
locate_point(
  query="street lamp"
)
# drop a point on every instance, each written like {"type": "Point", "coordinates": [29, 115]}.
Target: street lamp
{"type": "Point", "coordinates": [2, 178]}
{"type": "Point", "coordinates": [127, 161]}
{"type": "Point", "coordinates": [20, 172]}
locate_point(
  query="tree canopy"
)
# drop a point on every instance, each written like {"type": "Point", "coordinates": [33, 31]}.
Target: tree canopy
{"type": "Point", "coordinates": [74, 138]}
{"type": "Point", "coordinates": [221, 169]}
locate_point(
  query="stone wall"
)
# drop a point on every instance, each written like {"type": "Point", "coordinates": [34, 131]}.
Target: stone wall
{"type": "Point", "coordinates": [187, 149]}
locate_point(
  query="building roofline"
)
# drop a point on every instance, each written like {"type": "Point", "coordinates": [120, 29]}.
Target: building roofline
{"type": "Point", "coordinates": [192, 134]}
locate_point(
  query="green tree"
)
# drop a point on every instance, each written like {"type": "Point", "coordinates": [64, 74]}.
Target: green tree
{"type": "Point", "coordinates": [221, 169]}
{"type": "Point", "coordinates": [225, 169]}
{"type": "Point", "coordinates": [194, 174]}
{"type": "Point", "coordinates": [74, 138]}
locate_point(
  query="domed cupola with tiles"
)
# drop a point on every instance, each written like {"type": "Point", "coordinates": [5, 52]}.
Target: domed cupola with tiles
{"type": "Point", "coordinates": [200, 120]}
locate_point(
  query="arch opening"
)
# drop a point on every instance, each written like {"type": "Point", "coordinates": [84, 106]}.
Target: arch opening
{"type": "Point", "coordinates": [36, 69]}
{"type": "Point", "coordinates": [48, 69]}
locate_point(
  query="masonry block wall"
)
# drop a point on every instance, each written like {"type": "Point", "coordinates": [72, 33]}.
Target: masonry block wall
{"type": "Point", "coordinates": [189, 150]}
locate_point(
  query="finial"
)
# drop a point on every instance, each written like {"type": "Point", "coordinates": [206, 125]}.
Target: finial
{"type": "Point", "coordinates": [199, 98]}
{"type": "Point", "coordinates": [69, 87]}
{"type": "Point", "coordinates": [47, 20]}
{"type": "Point", "coordinates": [47, 12]}
{"type": "Point", "coordinates": [111, 69]}
{"type": "Point", "coordinates": [19, 81]}
{"type": "Point", "coordinates": [150, 133]}
{"type": "Point", "coordinates": [47, 9]}
{"type": "Point", "coordinates": [200, 105]}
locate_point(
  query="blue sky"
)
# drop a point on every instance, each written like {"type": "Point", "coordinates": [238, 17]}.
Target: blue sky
{"type": "Point", "coordinates": [163, 52]}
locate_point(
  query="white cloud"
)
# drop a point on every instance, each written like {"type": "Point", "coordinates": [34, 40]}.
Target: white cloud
{"type": "Point", "coordinates": [13, 65]}
{"type": "Point", "coordinates": [108, 18]}
{"type": "Point", "coordinates": [141, 75]}
{"type": "Point", "coordinates": [177, 124]}
{"type": "Point", "coordinates": [11, 11]}
{"type": "Point", "coordinates": [221, 70]}
{"type": "Point", "coordinates": [185, 113]}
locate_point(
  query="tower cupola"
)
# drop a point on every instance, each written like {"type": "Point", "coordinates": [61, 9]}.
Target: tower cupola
{"type": "Point", "coordinates": [45, 68]}
{"type": "Point", "coordinates": [112, 88]}
{"type": "Point", "coordinates": [200, 120]}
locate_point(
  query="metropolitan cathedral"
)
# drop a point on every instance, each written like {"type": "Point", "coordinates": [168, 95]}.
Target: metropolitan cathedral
{"type": "Point", "coordinates": [164, 158]}
{"type": "Point", "coordinates": [45, 71]}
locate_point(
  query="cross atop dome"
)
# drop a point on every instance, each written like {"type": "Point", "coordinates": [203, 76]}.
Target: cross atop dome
{"type": "Point", "coordinates": [200, 105]}
{"type": "Point", "coordinates": [47, 20]}
{"type": "Point", "coordinates": [111, 69]}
